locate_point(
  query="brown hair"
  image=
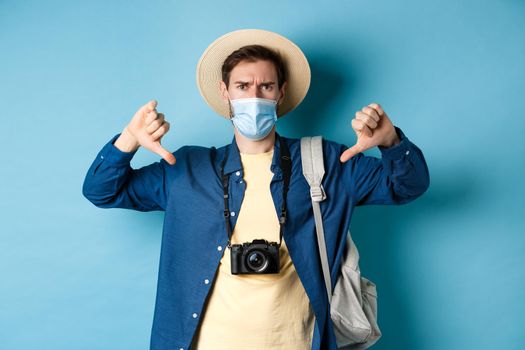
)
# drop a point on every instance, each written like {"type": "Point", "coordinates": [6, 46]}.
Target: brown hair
{"type": "Point", "coordinates": [253, 53]}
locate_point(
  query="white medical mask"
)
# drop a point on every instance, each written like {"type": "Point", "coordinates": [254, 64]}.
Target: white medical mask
{"type": "Point", "coordinates": [254, 117]}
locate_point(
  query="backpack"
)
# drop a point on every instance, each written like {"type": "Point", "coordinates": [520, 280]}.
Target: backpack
{"type": "Point", "coordinates": [353, 304]}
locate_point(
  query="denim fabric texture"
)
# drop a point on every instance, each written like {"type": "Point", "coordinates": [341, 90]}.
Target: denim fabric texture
{"type": "Point", "coordinates": [194, 233]}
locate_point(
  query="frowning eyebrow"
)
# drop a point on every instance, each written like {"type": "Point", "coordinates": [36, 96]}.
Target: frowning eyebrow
{"type": "Point", "coordinates": [247, 82]}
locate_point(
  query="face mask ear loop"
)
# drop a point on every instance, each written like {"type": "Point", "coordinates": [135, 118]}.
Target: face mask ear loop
{"type": "Point", "coordinates": [230, 110]}
{"type": "Point", "coordinates": [278, 106]}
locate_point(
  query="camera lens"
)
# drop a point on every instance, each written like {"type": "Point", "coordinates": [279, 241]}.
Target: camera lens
{"type": "Point", "coordinates": [256, 260]}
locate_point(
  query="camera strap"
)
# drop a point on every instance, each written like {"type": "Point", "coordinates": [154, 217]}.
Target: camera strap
{"type": "Point", "coordinates": [285, 162]}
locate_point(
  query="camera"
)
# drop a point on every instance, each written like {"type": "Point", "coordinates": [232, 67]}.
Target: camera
{"type": "Point", "coordinates": [256, 257]}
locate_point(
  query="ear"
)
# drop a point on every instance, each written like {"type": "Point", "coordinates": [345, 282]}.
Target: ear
{"type": "Point", "coordinates": [225, 95]}
{"type": "Point", "coordinates": [224, 91]}
{"type": "Point", "coordinates": [282, 90]}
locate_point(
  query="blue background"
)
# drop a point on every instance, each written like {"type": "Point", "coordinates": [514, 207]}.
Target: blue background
{"type": "Point", "coordinates": [449, 267]}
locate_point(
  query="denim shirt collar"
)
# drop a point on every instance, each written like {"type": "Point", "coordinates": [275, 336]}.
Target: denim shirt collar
{"type": "Point", "coordinates": [233, 163]}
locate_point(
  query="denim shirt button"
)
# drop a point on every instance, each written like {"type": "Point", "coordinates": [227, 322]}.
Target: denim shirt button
{"type": "Point", "coordinates": [219, 248]}
{"type": "Point", "coordinates": [238, 173]}
{"type": "Point", "coordinates": [194, 315]}
{"type": "Point", "coordinates": [206, 281]}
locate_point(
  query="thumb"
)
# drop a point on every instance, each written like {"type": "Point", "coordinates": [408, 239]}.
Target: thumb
{"type": "Point", "coordinates": [349, 153]}
{"type": "Point", "coordinates": [161, 151]}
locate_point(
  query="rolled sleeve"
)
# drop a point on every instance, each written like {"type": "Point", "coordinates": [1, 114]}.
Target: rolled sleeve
{"type": "Point", "coordinates": [399, 150]}
{"type": "Point", "coordinates": [111, 154]}
{"type": "Point", "coordinates": [111, 182]}
{"type": "Point", "coordinates": [400, 176]}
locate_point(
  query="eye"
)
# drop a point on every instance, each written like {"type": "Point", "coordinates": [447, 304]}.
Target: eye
{"type": "Point", "coordinates": [241, 86]}
{"type": "Point", "coordinates": [267, 87]}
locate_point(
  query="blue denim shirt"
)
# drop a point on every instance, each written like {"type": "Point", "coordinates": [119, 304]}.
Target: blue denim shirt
{"type": "Point", "coordinates": [194, 233]}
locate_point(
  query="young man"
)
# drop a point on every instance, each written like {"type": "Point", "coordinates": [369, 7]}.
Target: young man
{"type": "Point", "coordinates": [214, 292]}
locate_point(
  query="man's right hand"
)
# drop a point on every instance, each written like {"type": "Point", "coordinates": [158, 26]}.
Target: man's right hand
{"type": "Point", "coordinates": [145, 129]}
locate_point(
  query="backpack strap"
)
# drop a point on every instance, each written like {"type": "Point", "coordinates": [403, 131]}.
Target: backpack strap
{"type": "Point", "coordinates": [313, 171]}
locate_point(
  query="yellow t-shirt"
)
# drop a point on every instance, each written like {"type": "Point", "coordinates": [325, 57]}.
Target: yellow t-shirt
{"type": "Point", "coordinates": [256, 311]}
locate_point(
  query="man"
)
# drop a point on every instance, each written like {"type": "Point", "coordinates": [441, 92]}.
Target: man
{"type": "Point", "coordinates": [209, 295]}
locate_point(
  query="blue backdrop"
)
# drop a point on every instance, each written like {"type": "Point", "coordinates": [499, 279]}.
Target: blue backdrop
{"type": "Point", "coordinates": [449, 267]}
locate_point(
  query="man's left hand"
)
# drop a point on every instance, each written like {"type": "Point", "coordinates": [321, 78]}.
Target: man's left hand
{"type": "Point", "coordinates": [373, 128]}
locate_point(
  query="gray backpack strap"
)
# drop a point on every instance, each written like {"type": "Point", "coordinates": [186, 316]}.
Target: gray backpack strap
{"type": "Point", "coordinates": [313, 171]}
{"type": "Point", "coordinates": [353, 304]}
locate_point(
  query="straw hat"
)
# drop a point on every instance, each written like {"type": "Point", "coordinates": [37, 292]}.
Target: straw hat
{"type": "Point", "coordinates": [209, 67]}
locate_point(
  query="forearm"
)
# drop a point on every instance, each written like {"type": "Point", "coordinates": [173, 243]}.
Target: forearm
{"type": "Point", "coordinates": [398, 177]}
{"type": "Point", "coordinates": [107, 173]}
{"type": "Point", "coordinates": [406, 168]}
{"type": "Point", "coordinates": [111, 182]}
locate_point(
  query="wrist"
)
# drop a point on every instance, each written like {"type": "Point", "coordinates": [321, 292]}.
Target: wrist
{"type": "Point", "coordinates": [392, 140]}
{"type": "Point", "coordinates": [126, 142]}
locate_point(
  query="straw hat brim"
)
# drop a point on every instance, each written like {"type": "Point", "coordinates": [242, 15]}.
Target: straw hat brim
{"type": "Point", "coordinates": [210, 64]}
